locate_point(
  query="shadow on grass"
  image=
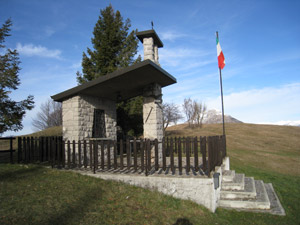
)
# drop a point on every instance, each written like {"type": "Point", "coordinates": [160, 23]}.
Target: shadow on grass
{"type": "Point", "coordinates": [75, 212]}
{"type": "Point", "coordinates": [183, 221]}
{"type": "Point", "coordinates": [18, 173]}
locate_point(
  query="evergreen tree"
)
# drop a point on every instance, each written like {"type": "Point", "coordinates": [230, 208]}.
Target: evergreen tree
{"type": "Point", "coordinates": [114, 48]}
{"type": "Point", "coordinates": [11, 112]}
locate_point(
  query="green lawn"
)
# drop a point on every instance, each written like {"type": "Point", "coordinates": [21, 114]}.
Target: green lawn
{"type": "Point", "coordinates": [32, 194]}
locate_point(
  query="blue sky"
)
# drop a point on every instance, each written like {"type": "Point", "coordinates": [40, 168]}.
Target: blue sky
{"type": "Point", "coordinates": [259, 38]}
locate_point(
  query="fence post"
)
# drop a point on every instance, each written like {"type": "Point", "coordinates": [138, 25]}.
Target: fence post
{"type": "Point", "coordinates": [188, 150]}
{"type": "Point", "coordinates": [102, 154]}
{"type": "Point", "coordinates": [45, 149]}
{"type": "Point", "coordinates": [209, 155]}
{"type": "Point", "coordinates": [32, 149]}
{"type": "Point", "coordinates": [149, 155]}
{"type": "Point", "coordinates": [121, 154]}
{"type": "Point", "coordinates": [156, 154]}
{"type": "Point", "coordinates": [164, 154]}
{"type": "Point", "coordinates": [36, 149]}
{"type": "Point", "coordinates": [40, 149]}
{"type": "Point", "coordinates": [203, 152]}
{"type": "Point", "coordinates": [84, 154]}
{"type": "Point", "coordinates": [179, 156]}
{"type": "Point", "coordinates": [52, 146]}
{"type": "Point", "coordinates": [224, 145]}
{"type": "Point", "coordinates": [11, 150]}
{"type": "Point", "coordinates": [128, 153]}
{"type": "Point", "coordinates": [74, 154]}
{"type": "Point", "coordinates": [135, 154]}
{"type": "Point", "coordinates": [115, 154]}
{"type": "Point", "coordinates": [142, 154]}
{"type": "Point", "coordinates": [79, 153]}
{"type": "Point", "coordinates": [220, 154]}
{"type": "Point", "coordinates": [58, 143]}
{"type": "Point", "coordinates": [95, 156]}
{"type": "Point", "coordinates": [28, 150]}
{"type": "Point", "coordinates": [146, 156]}
{"type": "Point", "coordinates": [172, 155]}
{"type": "Point", "coordinates": [19, 149]}
{"type": "Point", "coordinates": [175, 145]}
{"type": "Point", "coordinates": [49, 149]}
{"type": "Point", "coordinates": [63, 146]}
{"type": "Point", "coordinates": [108, 154]}
{"type": "Point", "coordinates": [91, 154]}
{"type": "Point", "coordinates": [69, 154]}
{"type": "Point", "coordinates": [196, 162]}
{"type": "Point", "coordinates": [168, 148]}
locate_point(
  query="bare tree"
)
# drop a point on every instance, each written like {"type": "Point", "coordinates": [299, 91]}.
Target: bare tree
{"type": "Point", "coordinates": [171, 114]}
{"type": "Point", "coordinates": [188, 110]}
{"type": "Point", "coordinates": [49, 116]}
{"type": "Point", "coordinates": [194, 111]}
{"type": "Point", "coordinates": [199, 112]}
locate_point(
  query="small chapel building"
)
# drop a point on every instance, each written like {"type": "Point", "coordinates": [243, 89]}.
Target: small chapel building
{"type": "Point", "coordinates": [89, 110]}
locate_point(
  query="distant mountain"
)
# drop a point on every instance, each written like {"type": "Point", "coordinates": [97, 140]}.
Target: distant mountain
{"type": "Point", "coordinates": [287, 123]}
{"type": "Point", "coordinates": [213, 116]}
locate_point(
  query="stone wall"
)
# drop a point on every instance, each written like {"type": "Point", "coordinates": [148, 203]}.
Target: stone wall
{"type": "Point", "coordinates": [78, 116]}
{"type": "Point", "coordinates": [199, 190]}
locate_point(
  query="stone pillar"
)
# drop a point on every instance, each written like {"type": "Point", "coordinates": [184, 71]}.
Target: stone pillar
{"type": "Point", "coordinates": [156, 54]}
{"type": "Point", "coordinates": [150, 50]}
{"type": "Point", "coordinates": [152, 114]}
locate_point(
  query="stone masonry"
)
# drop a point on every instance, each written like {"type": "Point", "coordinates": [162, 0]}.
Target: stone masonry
{"type": "Point", "coordinates": [78, 116]}
{"type": "Point", "coordinates": [152, 114]}
{"type": "Point", "coordinates": [150, 50]}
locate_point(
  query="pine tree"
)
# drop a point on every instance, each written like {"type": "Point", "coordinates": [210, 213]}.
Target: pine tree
{"type": "Point", "coordinates": [11, 112]}
{"type": "Point", "coordinates": [114, 48]}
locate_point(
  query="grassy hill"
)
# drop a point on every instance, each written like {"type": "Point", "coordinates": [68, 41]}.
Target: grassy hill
{"type": "Point", "coordinates": [52, 131]}
{"type": "Point", "coordinates": [270, 147]}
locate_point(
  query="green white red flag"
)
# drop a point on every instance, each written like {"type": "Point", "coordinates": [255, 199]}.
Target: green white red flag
{"type": "Point", "coordinates": [221, 58]}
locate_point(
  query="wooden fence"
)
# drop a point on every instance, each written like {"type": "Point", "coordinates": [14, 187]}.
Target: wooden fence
{"type": "Point", "coordinates": [7, 149]}
{"type": "Point", "coordinates": [137, 155]}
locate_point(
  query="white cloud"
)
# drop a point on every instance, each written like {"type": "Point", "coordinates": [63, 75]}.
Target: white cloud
{"type": "Point", "coordinates": [184, 58]}
{"type": "Point", "coordinates": [49, 31]}
{"type": "Point", "coordinates": [76, 65]}
{"type": "Point", "coordinates": [260, 105]}
{"type": "Point", "coordinates": [171, 35]}
{"type": "Point", "coordinates": [32, 50]}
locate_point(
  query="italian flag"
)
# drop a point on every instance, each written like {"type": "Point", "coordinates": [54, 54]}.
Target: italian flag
{"type": "Point", "coordinates": [221, 58]}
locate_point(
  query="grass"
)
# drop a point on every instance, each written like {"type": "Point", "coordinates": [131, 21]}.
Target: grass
{"type": "Point", "coordinates": [52, 131]}
{"type": "Point", "coordinates": [31, 194]}
{"type": "Point", "coordinates": [274, 148]}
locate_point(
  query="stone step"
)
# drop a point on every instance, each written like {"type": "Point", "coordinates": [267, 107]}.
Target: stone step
{"type": "Point", "coordinates": [249, 191]}
{"type": "Point", "coordinates": [276, 207]}
{"type": "Point", "coordinates": [260, 202]}
{"type": "Point", "coordinates": [228, 175]}
{"type": "Point", "coordinates": [237, 183]}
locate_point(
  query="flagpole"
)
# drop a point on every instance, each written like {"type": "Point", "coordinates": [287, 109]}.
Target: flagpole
{"type": "Point", "coordinates": [221, 94]}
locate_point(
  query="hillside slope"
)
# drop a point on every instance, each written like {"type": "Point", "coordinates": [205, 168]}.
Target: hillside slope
{"type": "Point", "coordinates": [274, 148]}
